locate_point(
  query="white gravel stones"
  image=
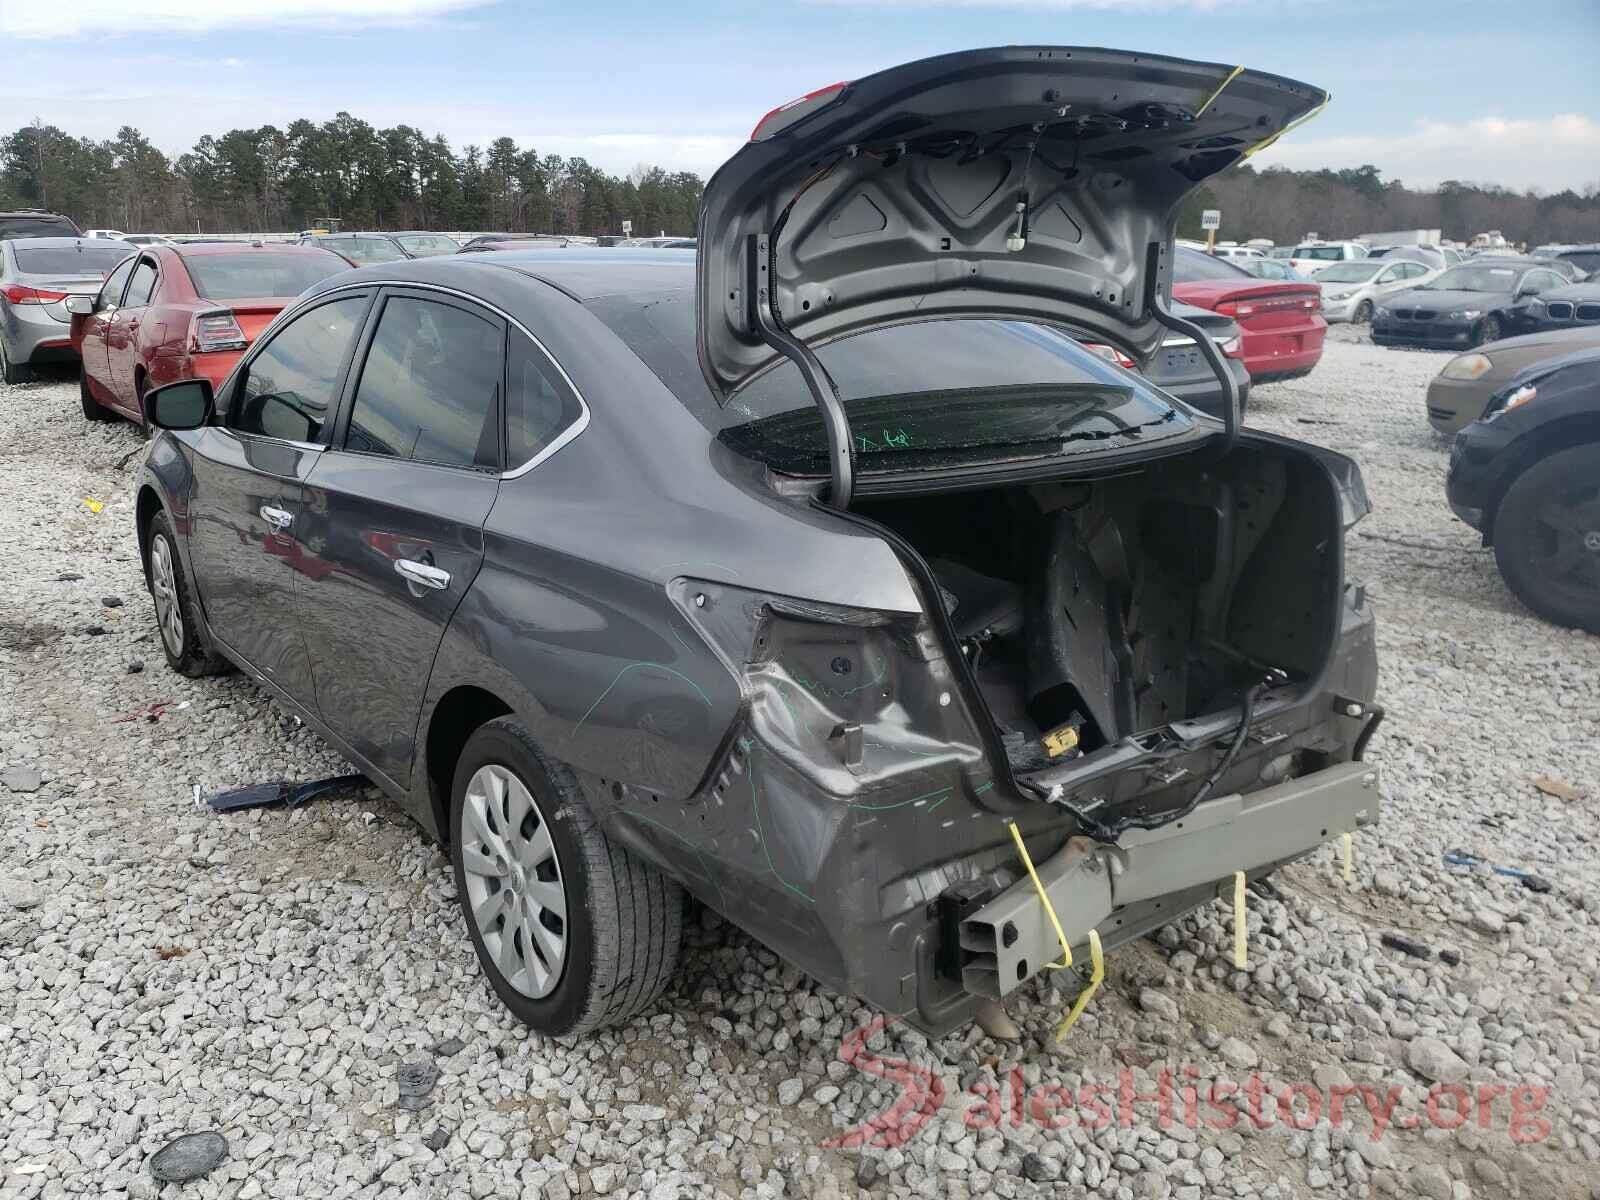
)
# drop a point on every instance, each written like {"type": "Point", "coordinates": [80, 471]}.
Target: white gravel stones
{"type": "Point", "coordinates": [266, 974]}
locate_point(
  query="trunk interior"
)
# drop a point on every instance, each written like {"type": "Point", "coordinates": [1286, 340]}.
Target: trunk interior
{"type": "Point", "coordinates": [1118, 605]}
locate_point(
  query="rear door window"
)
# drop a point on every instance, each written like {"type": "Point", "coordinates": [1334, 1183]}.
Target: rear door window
{"type": "Point", "coordinates": [429, 388]}
{"type": "Point", "coordinates": [289, 388]}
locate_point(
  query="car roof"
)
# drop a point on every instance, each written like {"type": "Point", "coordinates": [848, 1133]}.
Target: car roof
{"type": "Point", "coordinates": [24, 243]}
{"type": "Point", "coordinates": [187, 249]}
{"type": "Point", "coordinates": [582, 272]}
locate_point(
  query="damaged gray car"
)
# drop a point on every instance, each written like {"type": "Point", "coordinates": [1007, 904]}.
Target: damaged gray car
{"type": "Point", "coordinates": [814, 575]}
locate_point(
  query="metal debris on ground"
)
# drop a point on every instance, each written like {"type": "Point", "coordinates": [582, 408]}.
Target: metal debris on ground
{"type": "Point", "coordinates": [449, 1047]}
{"type": "Point", "coordinates": [68, 577]}
{"type": "Point", "coordinates": [111, 601]}
{"type": "Point", "coordinates": [189, 1156]}
{"type": "Point", "coordinates": [1406, 946]}
{"type": "Point", "coordinates": [266, 795]}
{"type": "Point", "coordinates": [416, 1080]}
{"type": "Point", "coordinates": [1534, 883]}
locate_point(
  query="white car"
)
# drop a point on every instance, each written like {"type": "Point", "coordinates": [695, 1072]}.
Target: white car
{"type": "Point", "coordinates": [115, 235]}
{"type": "Point", "coordinates": [1351, 290]}
{"type": "Point", "coordinates": [1238, 252]}
{"type": "Point", "coordinates": [1313, 256]}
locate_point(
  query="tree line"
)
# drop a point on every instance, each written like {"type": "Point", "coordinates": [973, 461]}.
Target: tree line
{"type": "Point", "coordinates": [1286, 205]}
{"type": "Point", "coordinates": [271, 179]}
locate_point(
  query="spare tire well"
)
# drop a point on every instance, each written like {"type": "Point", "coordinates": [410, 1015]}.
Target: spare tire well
{"type": "Point", "coordinates": [460, 712]}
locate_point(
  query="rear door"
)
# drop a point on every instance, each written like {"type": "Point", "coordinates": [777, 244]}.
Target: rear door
{"type": "Point", "coordinates": [97, 328]}
{"type": "Point", "coordinates": [122, 334]}
{"type": "Point", "coordinates": [397, 506]}
{"type": "Point", "coordinates": [246, 541]}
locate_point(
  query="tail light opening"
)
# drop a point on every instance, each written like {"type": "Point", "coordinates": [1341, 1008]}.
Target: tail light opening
{"type": "Point", "coordinates": [17, 293]}
{"type": "Point", "coordinates": [1232, 348]}
{"type": "Point", "coordinates": [1111, 354]}
{"type": "Point", "coordinates": [215, 331]}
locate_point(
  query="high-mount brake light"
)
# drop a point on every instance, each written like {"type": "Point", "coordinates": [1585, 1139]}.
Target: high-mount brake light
{"type": "Point", "coordinates": [809, 100]}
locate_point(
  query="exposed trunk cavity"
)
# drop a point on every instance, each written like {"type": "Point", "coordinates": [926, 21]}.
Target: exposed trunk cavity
{"type": "Point", "coordinates": [1095, 610]}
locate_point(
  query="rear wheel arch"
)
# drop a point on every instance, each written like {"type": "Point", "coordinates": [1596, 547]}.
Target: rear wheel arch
{"type": "Point", "coordinates": [459, 713]}
{"type": "Point", "coordinates": [147, 506]}
{"type": "Point", "coordinates": [1564, 434]}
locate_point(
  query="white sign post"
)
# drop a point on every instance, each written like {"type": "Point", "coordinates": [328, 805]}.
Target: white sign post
{"type": "Point", "coordinates": [627, 228]}
{"type": "Point", "coordinates": [1211, 221]}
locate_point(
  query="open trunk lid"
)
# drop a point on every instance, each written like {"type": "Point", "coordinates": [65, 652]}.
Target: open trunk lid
{"type": "Point", "coordinates": [1020, 181]}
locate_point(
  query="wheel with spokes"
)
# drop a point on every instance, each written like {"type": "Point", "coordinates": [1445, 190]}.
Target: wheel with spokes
{"type": "Point", "coordinates": [573, 932]}
{"type": "Point", "coordinates": [1363, 313]}
{"type": "Point", "coordinates": [1488, 331]}
{"type": "Point", "coordinates": [1547, 537]}
{"type": "Point", "coordinates": [185, 647]}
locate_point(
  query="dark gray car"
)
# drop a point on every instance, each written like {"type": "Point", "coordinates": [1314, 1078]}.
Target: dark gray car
{"type": "Point", "coordinates": [820, 575]}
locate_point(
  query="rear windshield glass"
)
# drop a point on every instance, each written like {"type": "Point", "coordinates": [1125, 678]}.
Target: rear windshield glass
{"type": "Point", "coordinates": [1330, 253]}
{"type": "Point", "coordinates": [26, 227]}
{"type": "Point", "coordinates": [1193, 266]}
{"type": "Point", "coordinates": [366, 250]}
{"type": "Point", "coordinates": [919, 396]}
{"type": "Point", "coordinates": [1351, 272]}
{"type": "Point", "coordinates": [85, 258]}
{"type": "Point", "coordinates": [424, 245]}
{"type": "Point", "coordinates": [241, 276]}
{"type": "Point", "coordinates": [1584, 260]}
{"type": "Point", "coordinates": [1476, 279]}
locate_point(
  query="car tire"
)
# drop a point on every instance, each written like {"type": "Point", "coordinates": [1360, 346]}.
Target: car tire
{"type": "Point", "coordinates": [1488, 331]}
{"type": "Point", "coordinates": [1362, 314]}
{"type": "Point", "coordinates": [12, 372]}
{"type": "Point", "coordinates": [1547, 537]}
{"type": "Point", "coordinates": [186, 649]}
{"type": "Point", "coordinates": [620, 923]}
{"type": "Point", "coordinates": [93, 410]}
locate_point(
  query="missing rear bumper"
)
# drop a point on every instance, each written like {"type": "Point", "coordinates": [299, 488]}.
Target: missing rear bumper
{"type": "Point", "coordinates": [1152, 876]}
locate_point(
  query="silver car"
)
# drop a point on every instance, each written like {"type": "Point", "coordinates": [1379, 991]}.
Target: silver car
{"type": "Point", "coordinates": [36, 277]}
{"type": "Point", "coordinates": [1351, 290]}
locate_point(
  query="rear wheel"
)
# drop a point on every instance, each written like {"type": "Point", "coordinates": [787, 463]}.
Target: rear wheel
{"type": "Point", "coordinates": [1489, 330]}
{"type": "Point", "coordinates": [1547, 537]}
{"type": "Point", "coordinates": [573, 932]}
{"type": "Point", "coordinates": [93, 410]}
{"type": "Point", "coordinates": [11, 372]}
{"type": "Point", "coordinates": [1363, 313]}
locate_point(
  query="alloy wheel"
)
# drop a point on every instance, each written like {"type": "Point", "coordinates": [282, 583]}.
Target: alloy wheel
{"type": "Point", "coordinates": [1566, 550]}
{"type": "Point", "coordinates": [164, 591]}
{"type": "Point", "coordinates": [515, 891]}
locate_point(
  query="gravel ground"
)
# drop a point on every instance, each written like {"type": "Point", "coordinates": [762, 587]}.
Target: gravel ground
{"type": "Point", "coordinates": [268, 974]}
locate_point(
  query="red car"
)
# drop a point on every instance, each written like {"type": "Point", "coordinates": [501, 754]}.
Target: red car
{"type": "Point", "coordinates": [183, 312]}
{"type": "Point", "coordinates": [1281, 323]}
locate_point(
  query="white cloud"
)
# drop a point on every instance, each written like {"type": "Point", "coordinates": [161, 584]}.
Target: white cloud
{"type": "Point", "coordinates": [47, 19]}
{"type": "Point", "coordinates": [1059, 5]}
{"type": "Point", "coordinates": [1548, 153]}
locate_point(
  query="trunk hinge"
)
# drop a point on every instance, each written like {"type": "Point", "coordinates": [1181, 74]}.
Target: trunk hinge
{"type": "Point", "coordinates": [764, 319]}
{"type": "Point", "coordinates": [1155, 302]}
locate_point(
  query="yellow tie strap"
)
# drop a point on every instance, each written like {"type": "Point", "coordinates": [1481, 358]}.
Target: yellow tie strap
{"type": "Point", "coordinates": [1099, 973]}
{"type": "Point", "coordinates": [1044, 899]}
{"type": "Point", "coordinates": [1232, 75]}
{"type": "Point", "coordinates": [1241, 931]}
{"type": "Point", "coordinates": [1349, 853]}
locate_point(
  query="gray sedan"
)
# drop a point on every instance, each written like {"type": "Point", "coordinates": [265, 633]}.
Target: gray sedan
{"type": "Point", "coordinates": [36, 277]}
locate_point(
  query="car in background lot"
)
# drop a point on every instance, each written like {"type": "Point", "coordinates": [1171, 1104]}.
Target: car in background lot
{"type": "Point", "coordinates": [1584, 258]}
{"type": "Point", "coordinates": [1460, 393]}
{"type": "Point", "coordinates": [1269, 268]}
{"type": "Point", "coordinates": [1527, 477]}
{"type": "Point", "coordinates": [1313, 256]}
{"type": "Point", "coordinates": [1465, 306]}
{"type": "Point", "coordinates": [35, 222]}
{"type": "Point", "coordinates": [1281, 324]}
{"type": "Point", "coordinates": [183, 312]}
{"type": "Point", "coordinates": [511, 241]}
{"type": "Point", "coordinates": [1429, 256]}
{"type": "Point", "coordinates": [146, 239]}
{"type": "Point", "coordinates": [110, 235]}
{"type": "Point", "coordinates": [1350, 290]}
{"type": "Point", "coordinates": [360, 248]}
{"type": "Point", "coordinates": [37, 275]}
{"type": "Point", "coordinates": [626, 592]}
{"type": "Point", "coordinates": [1559, 308]}
{"type": "Point", "coordinates": [419, 243]}
{"type": "Point", "coordinates": [1179, 368]}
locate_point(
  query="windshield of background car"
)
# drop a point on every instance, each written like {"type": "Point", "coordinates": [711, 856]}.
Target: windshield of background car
{"type": "Point", "coordinates": [368, 250]}
{"type": "Point", "coordinates": [424, 245]}
{"type": "Point", "coordinates": [1193, 266]}
{"type": "Point", "coordinates": [241, 276]}
{"type": "Point", "coordinates": [28, 227]}
{"type": "Point", "coordinates": [85, 258]}
{"type": "Point", "coordinates": [919, 396]}
{"type": "Point", "coordinates": [1331, 253]}
{"type": "Point", "coordinates": [1469, 278]}
{"type": "Point", "coordinates": [1350, 272]}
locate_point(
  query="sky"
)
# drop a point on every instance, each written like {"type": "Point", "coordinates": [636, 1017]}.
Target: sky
{"type": "Point", "coordinates": [1426, 90]}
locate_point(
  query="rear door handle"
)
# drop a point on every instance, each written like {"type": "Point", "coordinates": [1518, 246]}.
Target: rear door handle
{"type": "Point", "coordinates": [422, 573]}
{"type": "Point", "coordinates": [276, 517]}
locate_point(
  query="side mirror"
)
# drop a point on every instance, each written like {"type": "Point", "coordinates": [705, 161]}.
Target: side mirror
{"type": "Point", "coordinates": [186, 404]}
{"type": "Point", "coordinates": [80, 305]}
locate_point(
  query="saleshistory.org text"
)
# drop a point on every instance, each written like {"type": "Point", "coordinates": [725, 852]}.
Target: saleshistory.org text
{"type": "Point", "coordinates": [1179, 1097]}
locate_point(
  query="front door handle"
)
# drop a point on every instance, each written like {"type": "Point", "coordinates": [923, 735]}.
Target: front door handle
{"type": "Point", "coordinates": [276, 517]}
{"type": "Point", "coordinates": [422, 573]}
